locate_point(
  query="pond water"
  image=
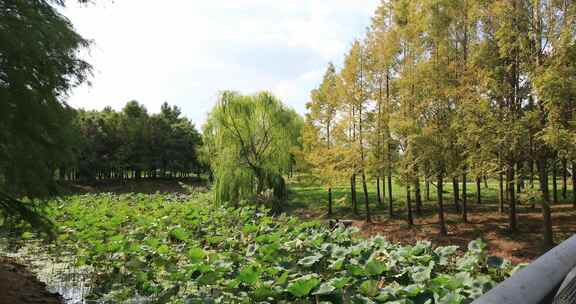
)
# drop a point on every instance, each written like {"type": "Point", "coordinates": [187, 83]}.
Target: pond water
{"type": "Point", "coordinates": [58, 273]}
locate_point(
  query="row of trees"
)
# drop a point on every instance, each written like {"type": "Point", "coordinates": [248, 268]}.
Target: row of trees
{"type": "Point", "coordinates": [132, 144]}
{"type": "Point", "coordinates": [451, 90]}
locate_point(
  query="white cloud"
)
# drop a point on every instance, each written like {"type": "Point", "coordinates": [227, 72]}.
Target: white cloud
{"type": "Point", "coordinates": [291, 90]}
{"type": "Point", "coordinates": [184, 51]}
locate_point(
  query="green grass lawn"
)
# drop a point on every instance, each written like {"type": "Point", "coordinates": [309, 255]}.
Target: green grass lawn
{"type": "Point", "coordinates": [311, 200]}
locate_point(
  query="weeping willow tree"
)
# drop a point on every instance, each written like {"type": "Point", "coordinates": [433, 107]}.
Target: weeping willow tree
{"type": "Point", "coordinates": [250, 140]}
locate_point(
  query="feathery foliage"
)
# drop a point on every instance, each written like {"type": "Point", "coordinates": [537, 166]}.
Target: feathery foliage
{"type": "Point", "coordinates": [249, 142]}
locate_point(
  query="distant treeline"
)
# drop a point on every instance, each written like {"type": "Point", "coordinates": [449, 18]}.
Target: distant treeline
{"type": "Point", "coordinates": [131, 144]}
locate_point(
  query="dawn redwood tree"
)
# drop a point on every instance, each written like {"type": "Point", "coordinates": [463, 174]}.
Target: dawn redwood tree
{"type": "Point", "coordinates": [551, 71]}
{"type": "Point", "coordinates": [318, 132]}
{"type": "Point", "coordinates": [354, 84]}
{"type": "Point", "coordinates": [384, 49]}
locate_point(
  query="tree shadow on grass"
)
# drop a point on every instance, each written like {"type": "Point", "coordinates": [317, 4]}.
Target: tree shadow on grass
{"type": "Point", "coordinates": [484, 220]}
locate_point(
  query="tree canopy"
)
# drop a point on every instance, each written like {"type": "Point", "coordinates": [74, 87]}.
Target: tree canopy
{"type": "Point", "coordinates": [39, 64]}
{"type": "Point", "coordinates": [132, 144]}
{"type": "Point", "coordinates": [249, 142]}
{"type": "Point", "coordinates": [447, 90]}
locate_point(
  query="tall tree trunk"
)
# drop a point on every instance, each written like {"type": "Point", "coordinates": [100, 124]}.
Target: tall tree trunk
{"type": "Point", "coordinates": [506, 185]}
{"type": "Point", "coordinates": [329, 201]}
{"type": "Point", "coordinates": [546, 211]}
{"type": "Point", "coordinates": [418, 195]}
{"type": "Point", "coordinates": [383, 188]}
{"type": "Point", "coordinates": [441, 221]}
{"type": "Point", "coordinates": [574, 183]}
{"type": "Point", "coordinates": [390, 200]}
{"type": "Point", "coordinates": [478, 193]}
{"type": "Point", "coordinates": [501, 190]}
{"type": "Point", "coordinates": [378, 194]}
{"type": "Point", "coordinates": [427, 188]}
{"type": "Point", "coordinates": [409, 215]}
{"type": "Point", "coordinates": [512, 208]}
{"type": "Point", "coordinates": [456, 194]}
{"type": "Point", "coordinates": [519, 177]}
{"type": "Point", "coordinates": [366, 201]}
{"type": "Point", "coordinates": [380, 151]}
{"type": "Point", "coordinates": [564, 178]}
{"type": "Point", "coordinates": [532, 174]}
{"type": "Point", "coordinates": [464, 199]}
{"type": "Point", "coordinates": [260, 181]}
{"type": "Point", "coordinates": [554, 182]}
{"type": "Point", "coordinates": [353, 193]}
{"type": "Point", "coordinates": [388, 145]}
{"type": "Point", "coordinates": [541, 162]}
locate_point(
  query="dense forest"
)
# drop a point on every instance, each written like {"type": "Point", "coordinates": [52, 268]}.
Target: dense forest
{"type": "Point", "coordinates": [132, 144]}
{"type": "Point", "coordinates": [452, 92]}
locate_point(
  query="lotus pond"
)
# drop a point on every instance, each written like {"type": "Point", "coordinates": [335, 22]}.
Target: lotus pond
{"type": "Point", "coordinates": [185, 249]}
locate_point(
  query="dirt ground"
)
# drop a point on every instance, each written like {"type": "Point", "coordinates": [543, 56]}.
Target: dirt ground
{"type": "Point", "coordinates": [19, 286]}
{"type": "Point", "coordinates": [484, 219]}
{"type": "Point", "coordinates": [484, 222]}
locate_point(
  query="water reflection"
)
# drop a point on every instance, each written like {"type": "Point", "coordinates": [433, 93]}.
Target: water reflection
{"type": "Point", "coordinates": [57, 272]}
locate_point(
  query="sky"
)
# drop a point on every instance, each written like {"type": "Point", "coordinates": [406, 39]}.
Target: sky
{"type": "Point", "coordinates": [185, 51]}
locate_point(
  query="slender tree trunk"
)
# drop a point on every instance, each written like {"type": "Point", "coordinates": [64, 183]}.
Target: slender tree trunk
{"type": "Point", "coordinates": [554, 182]}
{"type": "Point", "coordinates": [442, 223]}
{"type": "Point", "coordinates": [378, 194]}
{"type": "Point", "coordinates": [485, 178]}
{"type": "Point", "coordinates": [546, 211]}
{"type": "Point", "coordinates": [512, 208]}
{"type": "Point", "coordinates": [541, 162]}
{"type": "Point", "coordinates": [501, 191]}
{"type": "Point", "coordinates": [506, 185]}
{"type": "Point", "coordinates": [366, 201]}
{"type": "Point", "coordinates": [390, 200]}
{"type": "Point", "coordinates": [353, 193]}
{"type": "Point", "coordinates": [380, 147]}
{"type": "Point", "coordinates": [329, 201]}
{"type": "Point", "coordinates": [564, 178]}
{"type": "Point", "coordinates": [260, 181]}
{"type": "Point", "coordinates": [427, 188]}
{"type": "Point", "coordinates": [532, 174]}
{"type": "Point", "coordinates": [574, 183]}
{"type": "Point", "coordinates": [388, 145]}
{"type": "Point", "coordinates": [409, 206]}
{"type": "Point", "coordinates": [418, 195]}
{"type": "Point", "coordinates": [456, 194]}
{"type": "Point", "coordinates": [383, 188]}
{"type": "Point", "coordinates": [464, 200]}
{"type": "Point", "coordinates": [519, 175]}
{"type": "Point", "coordinates": [478, 194]}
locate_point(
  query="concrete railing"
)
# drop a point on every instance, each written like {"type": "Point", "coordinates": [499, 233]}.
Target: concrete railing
{"type": "Point", "coordinates": [538, 282]}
